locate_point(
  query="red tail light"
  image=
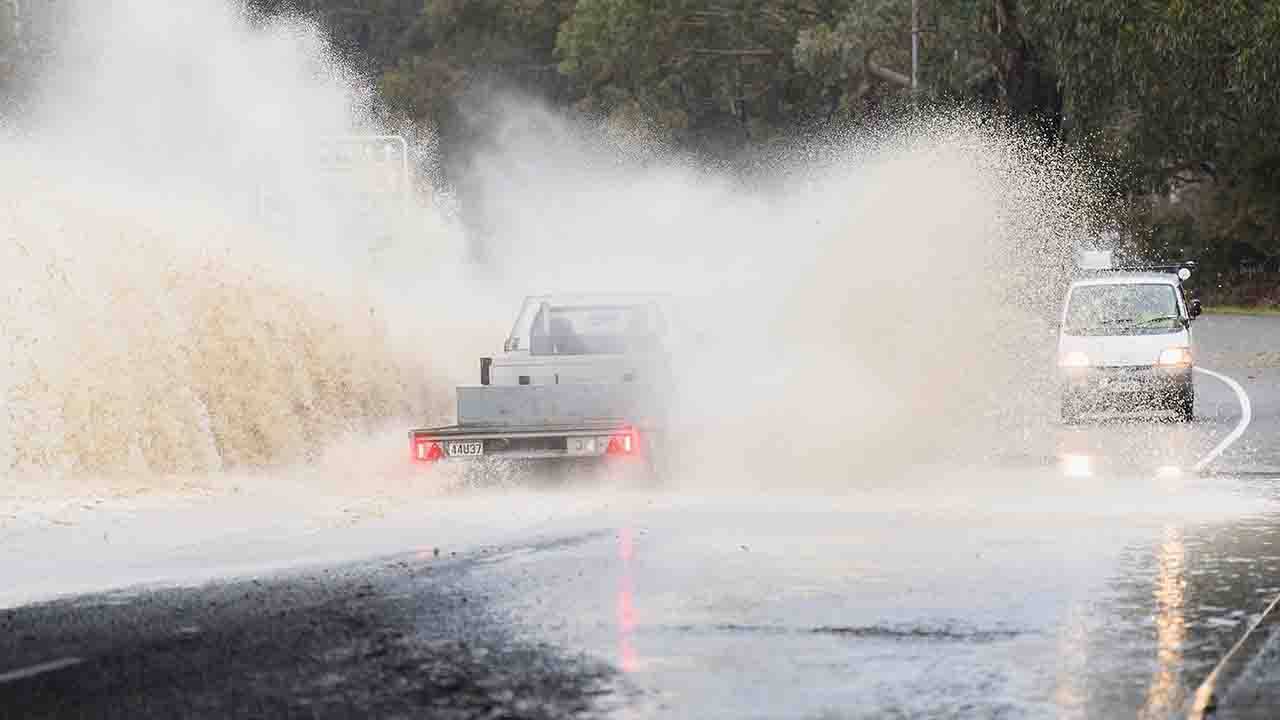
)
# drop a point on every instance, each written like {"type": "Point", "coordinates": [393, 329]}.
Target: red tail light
{"type": "Point", "coordinates": [627, 443]}
{"type": "Point", "coordinates": [425, 450]}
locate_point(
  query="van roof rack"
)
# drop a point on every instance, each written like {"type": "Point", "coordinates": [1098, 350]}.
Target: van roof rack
{"type": "Point", "coordinates": [1183, 269]}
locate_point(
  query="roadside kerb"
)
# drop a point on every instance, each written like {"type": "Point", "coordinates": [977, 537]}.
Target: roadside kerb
{"type": "Point", "coordinates": [1209, 695]}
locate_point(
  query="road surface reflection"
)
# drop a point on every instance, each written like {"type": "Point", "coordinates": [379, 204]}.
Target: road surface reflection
{"type": "Point", "coordinates": [1165, 693]}
{"type": "Point", "coordinates": [628, 660]}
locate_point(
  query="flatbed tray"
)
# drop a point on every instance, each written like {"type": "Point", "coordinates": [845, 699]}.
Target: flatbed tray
{"type": "Point", "coordinates": [461, 432]}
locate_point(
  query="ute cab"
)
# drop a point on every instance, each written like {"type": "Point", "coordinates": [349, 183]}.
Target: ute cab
{"type": "Point", "coordinates": [1125, 341]}
{"type": "Point", "coordinates": [575, 339]}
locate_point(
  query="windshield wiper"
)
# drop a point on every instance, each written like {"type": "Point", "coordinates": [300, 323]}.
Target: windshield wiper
{"type": "Point", "coordinates": [1138, 323]}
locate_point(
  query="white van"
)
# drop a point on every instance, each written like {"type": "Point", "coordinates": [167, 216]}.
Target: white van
{"type": "Point", "coordinates": [1125, 341]}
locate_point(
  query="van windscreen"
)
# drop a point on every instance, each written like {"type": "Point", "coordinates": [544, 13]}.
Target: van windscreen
{"type": "Point", "coordinates": [1123, 309]}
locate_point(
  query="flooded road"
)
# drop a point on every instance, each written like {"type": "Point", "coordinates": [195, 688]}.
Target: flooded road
{"type": "Point", "coordinates": [1106, 581]}
{"type": "Point", "coordinates": [1068, 601]}
{"type": "Point", "coordinates": [1101, 570]}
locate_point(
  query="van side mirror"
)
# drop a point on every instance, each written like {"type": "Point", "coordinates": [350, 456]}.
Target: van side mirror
{"type": "Point", "coordinates": [1195, 309]}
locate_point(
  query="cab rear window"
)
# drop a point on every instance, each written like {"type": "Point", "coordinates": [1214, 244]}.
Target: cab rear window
{"type": "Point", "coordinates": [593, 330]}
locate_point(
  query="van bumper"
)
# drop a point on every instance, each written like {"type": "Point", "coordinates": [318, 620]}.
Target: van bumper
{"type": "Point", "coordinates": [1136, 384]}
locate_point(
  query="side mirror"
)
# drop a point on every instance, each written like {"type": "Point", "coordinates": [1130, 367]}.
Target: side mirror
{"type": "Point", "coordinates": [1195, 309]}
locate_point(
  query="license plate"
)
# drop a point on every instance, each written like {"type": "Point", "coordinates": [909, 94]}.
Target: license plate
{"type": "Point", "coordinates": [470, 448]}
{"type": "Point", "coordinates": [1124, 386]}
{"type": "Point", "coordinates": [583, 446]}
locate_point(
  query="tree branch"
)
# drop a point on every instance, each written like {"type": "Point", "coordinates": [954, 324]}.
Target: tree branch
{"type": "Point", "coordinates": [884, 73]}
{"type": "Point", "coordinates": [750, 52]}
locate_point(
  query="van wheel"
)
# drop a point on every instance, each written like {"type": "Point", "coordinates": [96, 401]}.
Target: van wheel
{"type": "Point", "coordinates": [1070, 411]}
{"type": "Point", "coordinates": [1187, 406]}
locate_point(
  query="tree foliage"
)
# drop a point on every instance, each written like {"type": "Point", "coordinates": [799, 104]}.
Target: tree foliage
{"type": "Point", "coordinates": [1184, 91]}
{"type": "Point", "coordinates": [704, 70]}
{"type": "Point", "coordinates": [1178, 94]}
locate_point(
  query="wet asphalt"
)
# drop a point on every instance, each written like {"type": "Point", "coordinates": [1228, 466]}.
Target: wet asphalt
{"type": "Point", "coordinates": [391, 638]}
{"type": "Point", "coordinates": [1106, 579]}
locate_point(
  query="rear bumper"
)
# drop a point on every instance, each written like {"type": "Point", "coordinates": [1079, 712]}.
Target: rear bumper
{"type": "Point", "coordinates": [578, 444]}
{"type": "Point", "coordinates": [1137, 383]}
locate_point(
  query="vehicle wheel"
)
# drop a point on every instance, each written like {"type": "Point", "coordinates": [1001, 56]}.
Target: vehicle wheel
{"type": "Point", "coordinates": [631, 475]}
{"type": "Point", "coordinates": [655, 474]}
{"type": "Point", "coordinates": [1187, 406]}
{"type": "Point", "coordinates": [1070, 411]}
{"type": "Point", "coordinates": [652, 473]}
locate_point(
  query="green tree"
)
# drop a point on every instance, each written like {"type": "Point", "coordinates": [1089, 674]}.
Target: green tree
{"type": "Point", "coordinates": [371, 30]}
{"type": "Point", "coordinates": [1177, 94]}
{"type": "Point", "coordinates": [454, 43]}
{"type": "Point", "coordinates": [702, 68]}
{"type": "Point", "coordinates": [1184, 92]}
{"type": "Point", "coordinates": [969, 50]}
{"type": "Point", "coordinates": [754, 66]}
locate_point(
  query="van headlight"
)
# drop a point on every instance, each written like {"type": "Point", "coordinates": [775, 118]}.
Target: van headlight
{"type": "Point", "coordinates": [1075, 359]}
{"type": "Point", "coordinates": [1175, 357]}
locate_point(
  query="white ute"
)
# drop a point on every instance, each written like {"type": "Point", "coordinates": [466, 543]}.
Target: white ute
{"type": "Point", "coordinates": [1125, 340]}
{"type": "Point", "coordinates": [582, 379]}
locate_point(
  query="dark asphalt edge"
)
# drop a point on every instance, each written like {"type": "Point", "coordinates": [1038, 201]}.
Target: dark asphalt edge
{"type": "Point", "coordinates": [1206, 702]}
{"type": "Point", "coordinates": [584, 686]}
{"type": "Point", "coordinates": [1208, 697]}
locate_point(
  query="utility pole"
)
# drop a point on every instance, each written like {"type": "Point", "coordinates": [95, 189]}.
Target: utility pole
{"type": "Point", "coordinates": [11, 36]}
{"type": "Point", "coordinates": [915, 48]}
{"type": "Point", "coordinates": [15, 11]}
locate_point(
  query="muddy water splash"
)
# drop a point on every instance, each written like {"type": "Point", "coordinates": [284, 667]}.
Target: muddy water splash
{"type": "Point", "coordinates": [184, 289]}
{"type": "Point", "coordinates": [869, 301]}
